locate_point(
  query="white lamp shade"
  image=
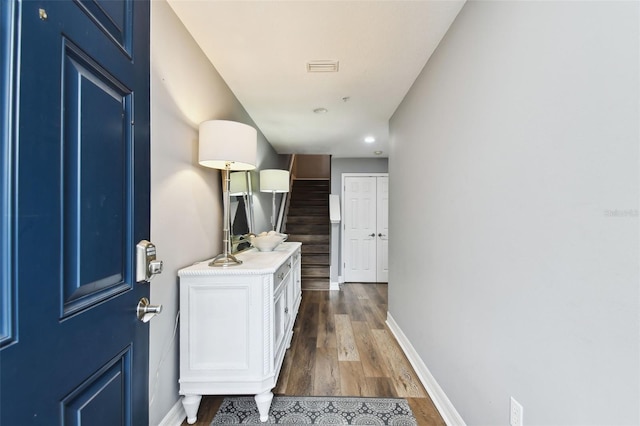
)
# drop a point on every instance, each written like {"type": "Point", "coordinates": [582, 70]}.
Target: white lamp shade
{"type": "Point", "coordinates": [238, 183]}
{"type": "Point", "coordinates": [274, 180]}
{"type": "Point", "coordinates": [223, 142]}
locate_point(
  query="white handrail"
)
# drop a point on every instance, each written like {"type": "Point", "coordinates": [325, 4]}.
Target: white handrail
{"type": "Point", "coordinates": [334, 208]}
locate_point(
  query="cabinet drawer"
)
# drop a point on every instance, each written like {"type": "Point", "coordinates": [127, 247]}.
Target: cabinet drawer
{"type": "Point", "coordinates": [282, 272]}
{"type": "Point", "coordinates": [296, 257]}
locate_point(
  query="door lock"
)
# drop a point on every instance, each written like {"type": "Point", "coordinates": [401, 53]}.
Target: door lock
{"type": "Point", "coordinates": [146, 263]}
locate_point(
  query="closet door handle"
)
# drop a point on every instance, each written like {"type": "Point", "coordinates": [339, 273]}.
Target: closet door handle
{"type": "Point", "coordinates": [372, 235]}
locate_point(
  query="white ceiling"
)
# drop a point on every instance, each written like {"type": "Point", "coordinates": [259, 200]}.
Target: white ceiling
{"type": "Point", "coordinates": [261, 49]}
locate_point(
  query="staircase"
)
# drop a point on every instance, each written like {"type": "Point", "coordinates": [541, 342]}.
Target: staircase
{"type": "Point", "coordinates": [308, 223]}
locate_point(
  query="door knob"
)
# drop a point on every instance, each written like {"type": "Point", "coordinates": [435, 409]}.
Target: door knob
{"type": "Point", "coordinates": [145, 311]}
{"type": "Point", "coordinates": [372, 235]}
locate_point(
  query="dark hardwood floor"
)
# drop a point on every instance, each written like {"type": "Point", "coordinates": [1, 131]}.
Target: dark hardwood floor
{"type": "Point", "coordinates": [341, 346]}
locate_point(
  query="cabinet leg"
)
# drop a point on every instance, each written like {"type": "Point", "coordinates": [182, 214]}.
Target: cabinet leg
{"type": "Point", "coordinates": [191, 403]}
{"type": "Point", "coordinates": [263, 400]}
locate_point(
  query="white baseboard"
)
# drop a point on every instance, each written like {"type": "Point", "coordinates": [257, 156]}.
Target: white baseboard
{"type": "Point", "coordinates": [175, 416]}
{"type": "Point", "coordinates": [340, 279]}
{"type": "Point", "coordinates": [334, 285]}
{"type": "Point", "coordinates": [440, 400]}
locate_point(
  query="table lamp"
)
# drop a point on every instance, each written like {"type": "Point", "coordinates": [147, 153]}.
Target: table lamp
{"type": "Point", "coordinates": [227, 146]}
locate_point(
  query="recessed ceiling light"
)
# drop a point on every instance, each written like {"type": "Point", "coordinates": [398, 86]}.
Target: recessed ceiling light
{"type": "Point", "coordinates": [369, 139]}
{"type": "Point", "coordinates": [377, 152]}
{"type": "Point", "coordinates": [321, 110]}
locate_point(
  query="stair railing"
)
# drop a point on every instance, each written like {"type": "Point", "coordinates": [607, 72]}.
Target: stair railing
{"type": "Point", "coordinates": [286, 197]}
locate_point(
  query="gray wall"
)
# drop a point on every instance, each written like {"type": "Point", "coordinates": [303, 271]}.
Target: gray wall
{"type": "Point", "coordinates": [186, 204]}
{"type": "Point", "coordinates": [338, 167]}
{"type": "Point", "coordinates": [519, 144]}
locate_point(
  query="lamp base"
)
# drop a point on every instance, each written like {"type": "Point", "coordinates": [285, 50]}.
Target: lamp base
{"type": "Point", "coordinates": [225, 260]}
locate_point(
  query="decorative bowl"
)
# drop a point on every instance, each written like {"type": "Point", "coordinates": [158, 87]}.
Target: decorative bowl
{"type": "Point", "coordinates": [267, 242]}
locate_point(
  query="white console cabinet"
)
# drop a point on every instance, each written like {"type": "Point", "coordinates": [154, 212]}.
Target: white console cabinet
{"type": "Point", "coordinates": [236, 324]}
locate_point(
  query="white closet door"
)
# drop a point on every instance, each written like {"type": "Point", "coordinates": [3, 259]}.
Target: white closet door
{"type": "Point", "coordinates": [382, 220]}
{"type": "Point", "coordinates": [360, 238]}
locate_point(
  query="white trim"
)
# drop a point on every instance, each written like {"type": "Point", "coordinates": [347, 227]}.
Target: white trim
{"type": "Point", "coordinates": [448, 412]}
{"type": "Point", "coordinates": [340, 279]}
{"type": "Point", "coordinates": [175, 416]}
{"type": "Point", "coordinates": [334, 285]}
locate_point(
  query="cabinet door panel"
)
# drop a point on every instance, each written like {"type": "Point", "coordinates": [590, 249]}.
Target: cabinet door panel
{"type": "Point", "coordinates": [211, 311]}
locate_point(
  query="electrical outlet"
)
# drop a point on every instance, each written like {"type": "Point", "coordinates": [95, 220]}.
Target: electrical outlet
{"type": "Point", "coordinates": [515, 419]}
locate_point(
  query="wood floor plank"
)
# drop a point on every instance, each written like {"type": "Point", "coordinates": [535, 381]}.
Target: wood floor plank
{"type": "Point", "coordinates": [327, 372]}
{"type": "Point", "coordinates": [338, 302]}
{"type": "Point", "coordinates": [352, 380]}
{"type": "Point", "coordinates": [381, 387]}
{"type": "Point", "coordinates": [359, 291]}
{"type": "Point", "coordinates": [354, 310]}
{"type": "Point", "coordinates": [374, 294]}
{"type": "Point", "coordinates": [354, 302]}
{"type": "Point", "coordinates": [309, 320]}
{"type": "Point", "coordinates": [404, 378]}
{"type": "Point", "coordinates": [326, 327]}
{"type": "Point", "coordinates": [300, 381]}
{"type": "Point", "coordinates": [425, 412]}
{"type": "Point", "coordinates": [373, 363]}
{"type": "Point", "coordinates": [374, 316]}
{"type": "Point", "coordinates": [347, 349]}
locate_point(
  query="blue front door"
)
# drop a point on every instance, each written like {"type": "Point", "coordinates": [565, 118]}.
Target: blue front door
{"type": "Point", "coordinates": [75, 201]}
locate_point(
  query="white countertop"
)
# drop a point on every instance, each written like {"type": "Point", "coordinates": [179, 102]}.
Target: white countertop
{"type": "Point", "coordinates": [253, 262]}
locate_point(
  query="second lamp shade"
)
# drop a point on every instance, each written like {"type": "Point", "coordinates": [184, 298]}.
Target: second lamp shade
{"type": "Point", "coordinates": [273, 180]}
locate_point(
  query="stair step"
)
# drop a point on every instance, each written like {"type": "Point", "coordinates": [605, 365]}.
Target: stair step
{"type": "Point", "coordinates": [312, 182]}
{"type": "Point", "coordinates": [315, 259]}
{"type": "Point", "coordinates": [314, 271]}
{"type": "Point", "coordinates": [309, 239]}
{"type": "Point", "coordinates": [315, 284]}
{"type": "Point", "coordinates": [307, 229]}
{"type": "Point", "coordinates": [300, 202]}
{"type": "Point", "coordinates": [309, 211]}
{"type": "Point", "coordinates": [310, 193]}
{"type": "Point", "coordinates": [308, 220]}
{"type": "Point", "coordinates": [308, 249]}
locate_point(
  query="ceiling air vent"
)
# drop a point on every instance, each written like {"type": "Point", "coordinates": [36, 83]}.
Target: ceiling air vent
{"type": "Point", "coordinates": [322, 66]}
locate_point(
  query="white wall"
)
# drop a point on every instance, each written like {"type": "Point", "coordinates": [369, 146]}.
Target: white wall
{"type": "Point", "coordinates": [186, 206]}
{"type": "Point", "coordinates": [520, 140]}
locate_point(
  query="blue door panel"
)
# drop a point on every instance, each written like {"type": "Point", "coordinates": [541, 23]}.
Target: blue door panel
{"type": "Point", "coordinates": [103, 399]}
{"type": "Point", "coordinates": [113, 17]}
{"type": "Point", "coordinates": [96, 145]}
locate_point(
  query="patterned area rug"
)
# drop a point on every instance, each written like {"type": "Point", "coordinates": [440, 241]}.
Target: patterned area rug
{"type": "Point", "coordinates": [317, 410]}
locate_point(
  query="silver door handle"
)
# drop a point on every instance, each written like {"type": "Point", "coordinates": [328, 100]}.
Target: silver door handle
{"type": "Point", "coordinates": [145, 311]}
